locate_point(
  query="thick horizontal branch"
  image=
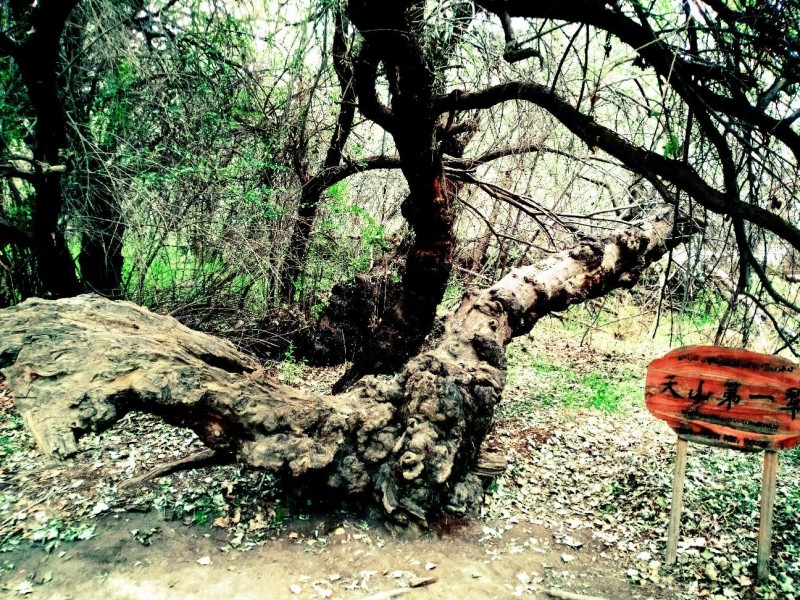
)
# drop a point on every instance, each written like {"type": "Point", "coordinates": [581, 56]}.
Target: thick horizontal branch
{"type": "Point", "coordinates": [39, 168]}
{"type": "Point", "coordinates": [332, 175]}
{"type": "Point", "coordinates": [470, 163]}
{"type": "Point", "coordinates": [12, 172]}
{"type": "Point", "coordinates": [645, 162]}
{"type": "Point", "coordinates": [204, 458]}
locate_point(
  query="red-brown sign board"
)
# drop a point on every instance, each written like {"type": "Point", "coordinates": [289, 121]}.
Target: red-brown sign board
{"type": "Point", "coordinates": [727, 397]}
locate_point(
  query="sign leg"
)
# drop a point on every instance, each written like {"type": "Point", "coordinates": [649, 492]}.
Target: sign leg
{"type": "Point", "coordinates": [767, 505]}
{"type": "Point", "coordinates": [677, 501]}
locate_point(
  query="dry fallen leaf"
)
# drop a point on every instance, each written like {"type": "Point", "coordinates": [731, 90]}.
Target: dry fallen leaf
{"type": "Point", "coordinates": [221, 522]}
{"type": "Point", "coordinates": [24, 588]}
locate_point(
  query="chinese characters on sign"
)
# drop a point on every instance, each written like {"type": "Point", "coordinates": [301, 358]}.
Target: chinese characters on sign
{"type": "Point", "coordinates": [727, 397]}
{"type": "Point", "coordinates": [792, 401]}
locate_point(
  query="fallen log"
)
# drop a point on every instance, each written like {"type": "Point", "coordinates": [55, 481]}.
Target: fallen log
{"type": "Point", "coordinates": [408, 442]}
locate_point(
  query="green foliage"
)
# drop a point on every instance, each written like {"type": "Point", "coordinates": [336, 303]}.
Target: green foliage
{"type": "Point", "coordinates": [8, 442]}
{"type": "Point", "coordinates": [567, 387]}
{"type": "Point", "coordinates": [56, 531]}
{"type": "Point", "coordinates": [347, 240]}
{"type": "Point", "coordinates": [793, 457]}
{"type": "Point", "coordinates": [262, 199]}
{"type": "Point", "coordinates": [704, 311]}
{"type": "Point", "coordinates": [15, 124]}
{"type": "Point", "coordinates": [171, 268]}
{"type": "Point", "coordinates": [604, 394]}
{"type": "Point", "coordinates": [317, 309]}
{"type": "Point", "coordinates": [50, 533]}
{"type": "Point", "coordinates": [453, 294]}
{"type": "Point", "coordinates": [343, 214]}
{"type": "Point", "coordinates": [559, 384]}
{"type": "Point", "coordinates": [291, 368]}
{"type": "Point", "coordinates": [197, 506]}
{"type": "Point", "coordinates": [113, 106]}
{"type": "Point", "coordinates": [673, 147]}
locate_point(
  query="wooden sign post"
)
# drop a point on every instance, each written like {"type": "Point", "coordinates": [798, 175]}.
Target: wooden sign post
{"type": "Point", "coordinates": [730, 398]}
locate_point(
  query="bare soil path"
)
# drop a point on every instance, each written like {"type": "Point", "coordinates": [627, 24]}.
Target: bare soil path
{"type": "Point", "coordinates": [115, 565]}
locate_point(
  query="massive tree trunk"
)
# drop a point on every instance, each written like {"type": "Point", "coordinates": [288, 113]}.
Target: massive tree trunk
{"type": "Point", "coordinates": [394, 39]}
{"type": "Point", "coordinates": [391, 35]}
{"type": "Point", "coordinates": [408, 442]}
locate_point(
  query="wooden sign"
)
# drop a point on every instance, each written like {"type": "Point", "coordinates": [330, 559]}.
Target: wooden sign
{"type": "Point", "coordinates": [727, 397]}
{"type": "Point", "coordinates": [732, 398]}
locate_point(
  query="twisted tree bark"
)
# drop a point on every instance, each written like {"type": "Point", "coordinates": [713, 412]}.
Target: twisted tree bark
{"type": "Point", "coordinates": [408, 442]}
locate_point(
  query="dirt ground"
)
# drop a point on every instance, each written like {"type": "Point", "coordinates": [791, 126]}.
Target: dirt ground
{"type": "Point", "coordinates": [115, 565]}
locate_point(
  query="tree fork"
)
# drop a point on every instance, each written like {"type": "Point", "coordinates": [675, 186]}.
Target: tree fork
{"type": "Point", "coordinates": [409, 442]}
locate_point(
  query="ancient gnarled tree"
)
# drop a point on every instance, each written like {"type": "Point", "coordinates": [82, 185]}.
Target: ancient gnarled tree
{"type": "Point", "coordinates": [409, 442]}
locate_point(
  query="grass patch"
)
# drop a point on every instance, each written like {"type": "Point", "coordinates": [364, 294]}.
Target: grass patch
{"type": "Point", "coordinates": [544, 382]}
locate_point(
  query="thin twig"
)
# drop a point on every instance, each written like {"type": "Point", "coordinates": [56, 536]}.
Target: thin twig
{"type": "Point", "coordinates": [204, 458]}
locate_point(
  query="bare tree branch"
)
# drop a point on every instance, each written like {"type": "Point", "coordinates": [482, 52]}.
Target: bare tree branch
{"type": "Point", "coordinates": [687, 77]}
{"type": "Point", "coordinates": [646, 162]}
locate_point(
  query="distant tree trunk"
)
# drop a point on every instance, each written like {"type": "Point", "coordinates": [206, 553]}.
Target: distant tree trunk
{"type": "Point", "coordinates": [54, 264]}
{"type": "Point", "coordinates": [37, 58]}
{"type": "Point", "coordinates": [314, 187]}
{"type": "Point", "coordinates": [101, 257]}
{"type": "Point", "coordinates": [409, 443]}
